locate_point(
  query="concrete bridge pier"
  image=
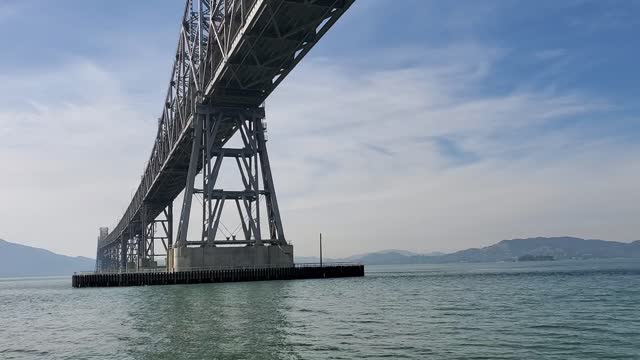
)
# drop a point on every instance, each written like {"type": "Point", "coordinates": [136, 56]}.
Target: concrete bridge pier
{"type": "Point", "coordinates": [184, 258]}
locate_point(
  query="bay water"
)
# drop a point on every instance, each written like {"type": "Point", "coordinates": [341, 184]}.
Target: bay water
{"type": "Point", "coordinates": [575, 309]}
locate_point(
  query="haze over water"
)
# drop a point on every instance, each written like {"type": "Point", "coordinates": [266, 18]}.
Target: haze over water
{"type": "Point", "coordinates": [549, 310]}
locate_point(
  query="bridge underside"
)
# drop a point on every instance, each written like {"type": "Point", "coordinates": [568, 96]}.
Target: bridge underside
{"type": "Point", "coordinates": [231, 55]}
{"type": "Point", "coordinates": [250, 244]}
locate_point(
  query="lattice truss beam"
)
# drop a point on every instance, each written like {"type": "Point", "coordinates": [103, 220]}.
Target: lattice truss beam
{"type": "Point", "coordinates": [215, 127]}
{"type": "Point", "coordinates": [230, 53]}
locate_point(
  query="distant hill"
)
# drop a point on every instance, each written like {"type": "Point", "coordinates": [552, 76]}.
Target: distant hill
{"type": "Point", "coordinates": [391, 256]}
{"type": "Point", "coordinates": [507, 250]}
{"type": "Point", "coordinates": [20, 260]}
{"type": "Point", "coordinates": [557, 247]}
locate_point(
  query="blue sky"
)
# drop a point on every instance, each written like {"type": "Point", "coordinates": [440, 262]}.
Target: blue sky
{"type": "Point", "coordinates": [438, 124]}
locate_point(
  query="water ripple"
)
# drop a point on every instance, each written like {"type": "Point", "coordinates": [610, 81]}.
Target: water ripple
{"type": "Point", "coordinates": [580, 310]}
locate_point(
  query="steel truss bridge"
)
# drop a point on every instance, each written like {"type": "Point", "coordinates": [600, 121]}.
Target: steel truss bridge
{"type": "Point", "coordinates": [231, 55]}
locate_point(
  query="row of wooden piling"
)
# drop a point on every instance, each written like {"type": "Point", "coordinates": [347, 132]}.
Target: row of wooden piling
{"type": "Point", "coordinates": [215, 276]}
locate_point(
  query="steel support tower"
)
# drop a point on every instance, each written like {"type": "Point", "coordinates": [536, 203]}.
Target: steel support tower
{"type": "Point", "coordinates": [231, 55]}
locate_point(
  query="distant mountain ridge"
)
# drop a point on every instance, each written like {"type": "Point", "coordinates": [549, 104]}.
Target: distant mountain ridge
{"type": "Point", "coordinates": [383, 256]}
{"type": "Point", "coordinates": [558, 247]}
{"type": "Point", "coordinates": [20, 260]}
{"type": "Point", "coordinates": [508, 250]}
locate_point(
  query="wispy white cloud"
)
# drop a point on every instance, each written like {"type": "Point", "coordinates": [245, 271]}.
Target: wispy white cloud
{"type": "Point", "coordinates": [72, 147]}
{"type": "Point", "coordinates": [410, 153]}
{"type": "Point", "coordinates": [505, 165]}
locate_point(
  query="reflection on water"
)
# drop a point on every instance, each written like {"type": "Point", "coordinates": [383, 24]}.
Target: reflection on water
{"type": "Point", "coordinates": [559, 310]}
{"type": "Point", "coordinates": [222, 321]}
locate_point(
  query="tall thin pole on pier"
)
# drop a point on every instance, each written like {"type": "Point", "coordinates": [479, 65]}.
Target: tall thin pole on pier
{"type": "Point", "coordinates": [320, 249]}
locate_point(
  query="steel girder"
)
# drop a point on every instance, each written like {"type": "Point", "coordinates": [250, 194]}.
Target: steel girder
{"type": "Point", "coordinates": [229, 53]}
{"type": "Point", "coordinates": [214, 127]}
{"type": "Point", "coordinates": [137, 244]}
